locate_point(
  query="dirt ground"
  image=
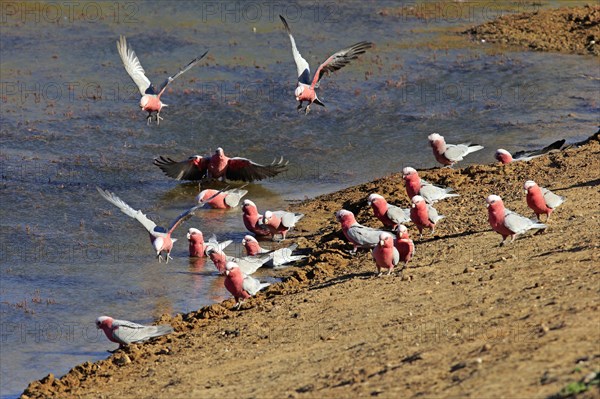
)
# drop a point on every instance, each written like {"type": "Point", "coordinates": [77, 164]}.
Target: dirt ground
{"type": "Point", "coordinates": [571, 30]}
{"type": "Point", "coordinates": [468, 319]}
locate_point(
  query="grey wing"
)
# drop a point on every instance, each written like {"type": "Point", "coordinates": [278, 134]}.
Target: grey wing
{"type": "Point", "coordinates": [283, 256]}
{"type": "Point", "coordinates": [251, 285]}
{"type": "Point", "coordinates": [246, 170]}
{"type": "Point", "coordinates": [182, 170]}
{"type": "Point", "coordinates": [127, 332]}
{"type": "Point", "coordinates": [340, 59]}
{"type": "Point", "coordinates": [433, 214]}
{"type": "Point", "coordinates": [132, 332]}
{"type": "Point", "coordinates": [234, 196]}
{"type": "Point", "coordinates": [552, 200]}
{"type": "Point", "coordinates": [364, 236]}
{"type": "Point", "coordinates": [456, 152]}
{"type": "Point", "coordinates": [398, 215]}
{"type": "Point", "coordinates": [214, 244]}
{"type": "Point", "coordinates": [290, 219]}
{"type": "Point", "coordinates": [181, 71]}
{"type": "Point", "coordinates": [129, 211]}
{"type": "Point", "coordinates": [519, 224]}
{"type": "Point", "coordinates": [126, 323]}
{"type": "Point", "coordinates": [250, 264]}
{"type": "Point", "coordinates": [183, 217]}
{"type": "Point", "coordinates": [302, 66]}
{"type": "Point", "coordinates": [396, 257]}
{"type": "Point", "coordinates": [133, 67]}
{"type": "Point", "coordinates": [432, 193]}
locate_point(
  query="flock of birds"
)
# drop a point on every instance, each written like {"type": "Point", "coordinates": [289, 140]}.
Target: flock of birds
{"type": "Point", "coordinates": [388, 248]}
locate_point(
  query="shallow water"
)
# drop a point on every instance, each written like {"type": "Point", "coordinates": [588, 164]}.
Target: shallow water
{"type": "Point", "coordinates": [70, 121]}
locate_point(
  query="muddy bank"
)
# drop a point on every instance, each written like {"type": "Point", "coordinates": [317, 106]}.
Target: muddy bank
{"type": "Point", "coordinates": [570, 30]}
{"type": "Point", "coordinates": [520, 320]}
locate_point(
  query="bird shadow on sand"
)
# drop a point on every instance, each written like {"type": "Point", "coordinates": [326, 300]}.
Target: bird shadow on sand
{"type": "Point", "coordinates": [556, 251]}
{"type": "Point", "coordinates": [591, 183]}
{"type": "Point", "coordinates": [343, 279]}
{"type": "Point", "coordinates": [456, 235]}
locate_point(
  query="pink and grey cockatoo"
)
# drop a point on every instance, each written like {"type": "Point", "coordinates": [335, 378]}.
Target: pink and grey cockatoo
{"type": "Point", "coordinates": [541, 200]}
{"type": "Point", "coordinates": [385, 254]}
{"type": "Point", "coordinates": [358, 235]}
{"type": "Point", "coordinates": [505, 157]}
{"type": "Point", "coordinates": [424, 215]}
{"type": "Point", "coordinates": [306, 89]}
{"type": "Point", "coordinates": [389, 215]}
{"type": "Point", "coordinates": [252, 246]}
{"type": "Point", "coordinates": [279, 257]}
{"type": "Point", "coordinates": [240, 285]}
{"type": "Point", "coordinates": [253, 220]}
{"type": "Point", "coordinates": [159, 236]}
{"type": "Point", "coordinates": [248, 264]}
{"type": "Point", "coordinates": [150, 101]}
{"type": "Point", "coordinates": [449, 154]}
{"type": "Point", "coordinates": [219, 166]}
{"type": "Point", "coordinates": [417, 186]}
{"type": "Point", "coordinates": [197, 245]}
{"type": "Point", "coordinates": [125, 332]}
{"type": "Point", "coordinates": [506, 222]}
{"type": "Point", "coordinates": [221, 199]}
{"type": "Point", "coordinates": [280, 222]}
{"type": "Point", "coordinates": [404, 245]}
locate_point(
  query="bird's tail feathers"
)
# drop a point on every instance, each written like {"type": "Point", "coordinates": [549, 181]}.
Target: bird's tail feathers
{"type": "Point", "coordinates": [538, 225]}
{"type": "Point", "coordinates": [163, 330]}
{"type": "Point", "coordinates": [318, 102]}
{"type": "Point", "coordinates": [474, 148]}
{"type": "Point", "coordinates": [293, 246]}
{"type": "Point", "coordinates": [263, 286]}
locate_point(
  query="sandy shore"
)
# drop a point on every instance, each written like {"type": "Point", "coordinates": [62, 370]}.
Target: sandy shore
{"type": "Point", "coordinates": [570, 30]}
{"type": "Point", "coordinates": [520, 320]}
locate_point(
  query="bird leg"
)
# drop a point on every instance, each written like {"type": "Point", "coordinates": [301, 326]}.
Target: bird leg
{"type": "Point", "coordinates": [159, 257]}
{"type": "Point", "coordinates": [307, 110]}
{"type": "Point", "coordinates": [149, 118]}
{"type": "Point", "coordinates": [158, 118]}
{"type": "Point", "coordinates": [168, 257]}
{"type": "Point", "coordinates": [299, 107]}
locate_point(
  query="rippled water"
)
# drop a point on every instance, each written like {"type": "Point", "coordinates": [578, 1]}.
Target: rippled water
{"type": "Point", "coordinates": [70, 121]}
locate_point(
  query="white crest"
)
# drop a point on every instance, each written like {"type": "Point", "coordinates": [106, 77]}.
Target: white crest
{"type": "Point", "coordinates": [416, 199]}
{"type": "Point", "coordinates": [529, 184]}
{"type": "Point", "coordinates": [435, 137]}
{"type": "Point", "coordinates": [408, 170]}
{"type": "Point", "coordinates": [493, 198]}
